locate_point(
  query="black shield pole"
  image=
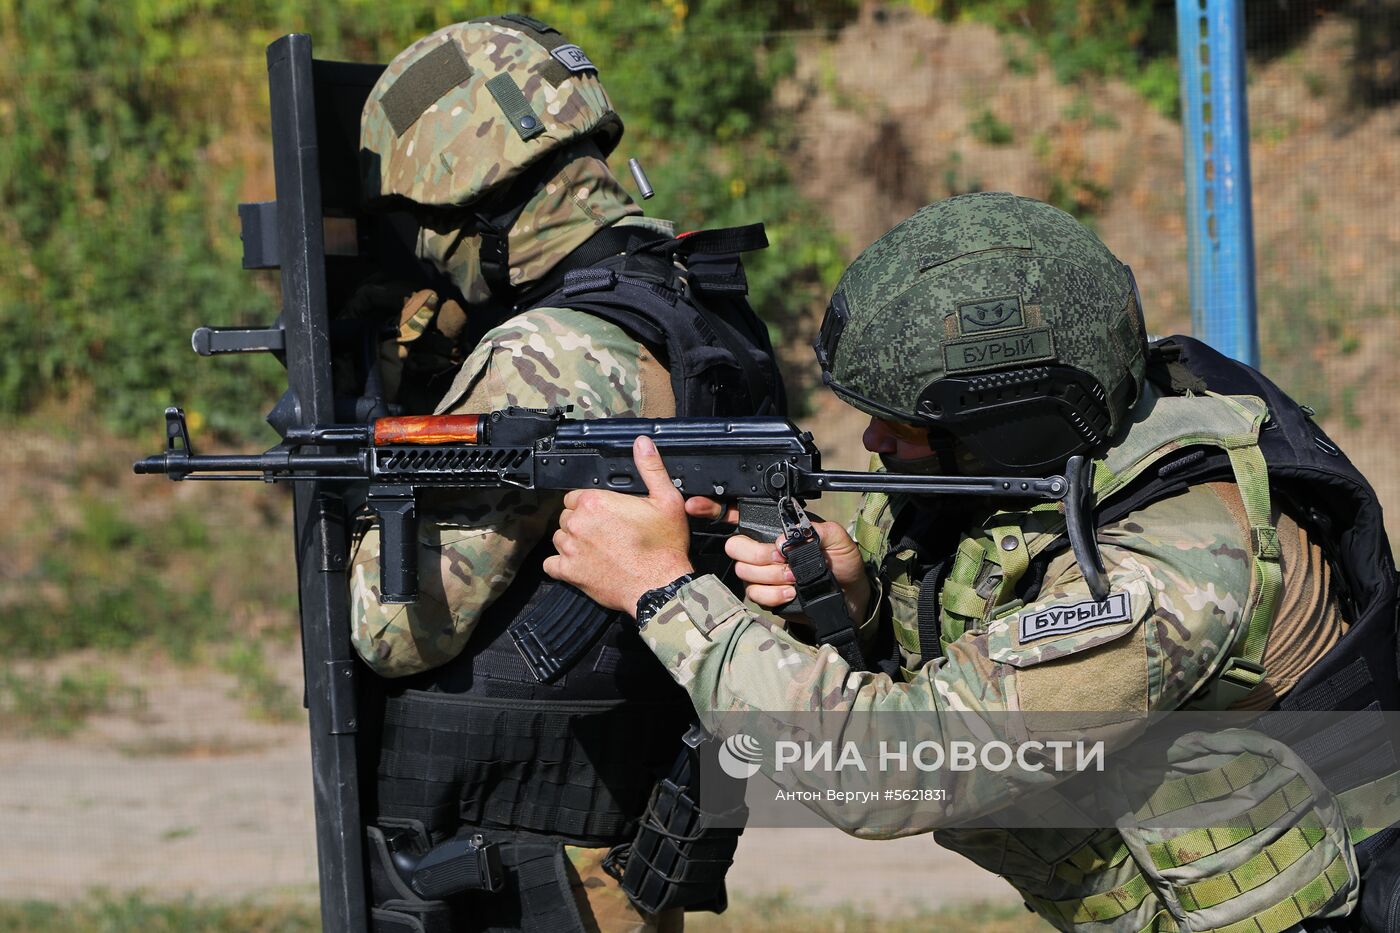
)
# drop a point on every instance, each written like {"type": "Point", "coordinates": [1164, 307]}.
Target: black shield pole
{"type": "Point", "coordinates": [320, 516]}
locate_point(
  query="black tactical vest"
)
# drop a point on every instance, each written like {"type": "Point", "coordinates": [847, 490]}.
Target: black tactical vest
{"type": "Point", "coordinates": [1316, 484]}
{"type": "Point", "coordinates": [480, 741]}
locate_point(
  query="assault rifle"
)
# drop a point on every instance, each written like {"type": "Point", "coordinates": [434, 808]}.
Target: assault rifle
{"type": "Point", "coordinates": [767, 464]}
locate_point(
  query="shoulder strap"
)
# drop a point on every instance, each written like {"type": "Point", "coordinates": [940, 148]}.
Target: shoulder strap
{"type": "Point", "coordinates": [716, 349]}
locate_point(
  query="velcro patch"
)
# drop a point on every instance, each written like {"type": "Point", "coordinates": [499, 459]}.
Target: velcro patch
{"type": "Point", "coordinates": [572, 58]}
{"type": "Point", "coordinates": [974, 317]}
{"type": "Point", "coordinates": [1074, 617]}
{"type": "Point", "coordinates": [990, 352]}
{"type": "Point", "coordinates": [423, 84]}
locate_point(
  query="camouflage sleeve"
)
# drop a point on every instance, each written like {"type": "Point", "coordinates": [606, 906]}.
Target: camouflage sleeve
{"type": "Point", "coordinates": [1178, 572]}
{"type": "Point", "coordinates": [471, 545]}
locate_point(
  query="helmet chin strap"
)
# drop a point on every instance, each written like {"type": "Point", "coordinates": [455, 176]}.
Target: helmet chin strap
{"type": "Point", "coordinates": [494, 219]}
{"type": "Point", "coordinates": [495, 254]}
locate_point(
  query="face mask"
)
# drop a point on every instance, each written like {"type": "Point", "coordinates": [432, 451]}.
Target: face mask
{"type": "Point", "coordinates": [458, 257]}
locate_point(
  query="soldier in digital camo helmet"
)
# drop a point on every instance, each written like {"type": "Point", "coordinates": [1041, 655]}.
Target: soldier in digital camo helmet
{"type": "Point", "coordinates": [995, 335]}
{"type": "Point", "coordinates": [493, 135]}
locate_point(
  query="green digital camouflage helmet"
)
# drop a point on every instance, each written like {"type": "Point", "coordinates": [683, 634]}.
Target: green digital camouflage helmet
{"type": "Point", "coordinates": [996, 320]}
{"type": "Point", "coordinates": [471, 108]}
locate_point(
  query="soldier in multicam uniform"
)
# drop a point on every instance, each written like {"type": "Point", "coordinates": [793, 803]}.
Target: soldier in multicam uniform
{"type": "Point", "coordinates": [1244, 567]}
{"type": "Point", "coordinates": [493, 134]}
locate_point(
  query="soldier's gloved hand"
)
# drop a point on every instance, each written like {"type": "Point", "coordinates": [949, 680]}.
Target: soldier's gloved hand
{"type": "Point", "coordinates": [615, 547]}
{"type": "Point", "coordinates": [764, 568]}
{"type": "Point", "coordinates": [424, 349]}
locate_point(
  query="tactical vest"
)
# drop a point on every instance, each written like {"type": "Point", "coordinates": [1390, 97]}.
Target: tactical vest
{"type": "Point", "coordinates": [1219, 421]}
{"type": "Point", "coordinates": [480, 742]}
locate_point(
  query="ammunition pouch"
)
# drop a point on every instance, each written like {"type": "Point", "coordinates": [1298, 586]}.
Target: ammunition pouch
{"type": "Point", "coordinates": [682, 850]}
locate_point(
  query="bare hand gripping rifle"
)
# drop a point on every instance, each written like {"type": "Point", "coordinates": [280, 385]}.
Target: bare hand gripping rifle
{"type": "Point", "coordinates": [767, 464]}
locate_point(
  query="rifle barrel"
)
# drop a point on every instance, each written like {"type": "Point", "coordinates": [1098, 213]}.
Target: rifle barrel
{"type": "Point", "coordinates": [1049, 487]}
{"type": "Point", "coordinates": [271, 465]}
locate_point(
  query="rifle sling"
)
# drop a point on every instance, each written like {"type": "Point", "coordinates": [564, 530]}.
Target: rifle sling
{"type": "Point", "coordinates": [822, 601]}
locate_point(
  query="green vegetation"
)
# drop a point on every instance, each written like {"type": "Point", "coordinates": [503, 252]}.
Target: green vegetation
{"type": "Point", "coordinates": [1135, 41]}
{"type": "Point", "coordinates": [41, 705]}
{"type": "Point", "coordinates": [117, 212]}
{"type": "Point", "coordinates": [1318, 324]}
{"type": "Point", "coordinates": [267, 697]}
{"type": "Point", "coordinates": [988, 128]}
{"type": "Point", "coordinates": [1132, 40]}
{"type": "Point", "coordinates": [110, 583]}
{"type": "Point", "coordinates": [1082, 110]}
{"type": "Point", "coordinates": [106, 582]}
{"type": "Point", "coordinates": [956, 178]}
{"type": "Point", "coordinates": [136, 914]}
{"type": "Point", "coordinates": [94, 566]}
{"type": "Point", "coordinates": [132, 913]}
{"type": "Point", "coordinates": [128, 135]}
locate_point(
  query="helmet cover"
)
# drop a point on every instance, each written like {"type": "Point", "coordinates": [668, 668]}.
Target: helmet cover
{"type": "Point", "coordinates": [996, 318]}
{"type": "Point", "coordinates": [468, 109]}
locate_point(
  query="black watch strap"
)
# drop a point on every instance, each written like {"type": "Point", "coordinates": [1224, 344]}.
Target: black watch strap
{"type": "Point", "coordinates": [652, 600]}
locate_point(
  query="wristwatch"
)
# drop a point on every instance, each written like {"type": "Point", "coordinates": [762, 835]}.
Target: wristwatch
{"type": "Point", "coordinates": [653, 600]}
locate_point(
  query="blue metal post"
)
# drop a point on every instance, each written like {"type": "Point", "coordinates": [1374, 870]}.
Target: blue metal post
{"type": "Point", "coordinates": [1219, 218]}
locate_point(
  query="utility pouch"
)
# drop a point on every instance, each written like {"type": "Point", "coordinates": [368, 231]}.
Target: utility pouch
{"type": "Point", "coordinates": [682, 851]}
{"type": "Point", "coordinates": [1240, 831]}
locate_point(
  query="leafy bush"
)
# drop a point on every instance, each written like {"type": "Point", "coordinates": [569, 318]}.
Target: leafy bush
{"type": "Point", "coordinates": [105, 582]}
{"type": "Point", "coordinates": [125, 131]}
{"type": "Point", "coordinates": [1134, 40]}
{"type": "Point", "coordinates": [113, 213]}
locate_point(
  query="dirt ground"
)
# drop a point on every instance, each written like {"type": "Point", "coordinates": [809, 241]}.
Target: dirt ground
{"type": "Point", "coordinates": [192, 797]}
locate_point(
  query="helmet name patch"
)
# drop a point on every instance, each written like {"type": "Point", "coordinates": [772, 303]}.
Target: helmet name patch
{"type": "Point", "coordinates": [989, 352]}
{"type": "Point", "coordinates": [1073, 617]}
{"type": "Point", "coordinates": [990, 314]}
{"type": "Point", "coordinates": [572, 58]}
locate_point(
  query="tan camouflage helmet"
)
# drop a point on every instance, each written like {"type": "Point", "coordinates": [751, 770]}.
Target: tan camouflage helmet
{"type": "Point", "coordinates": [471, 106]}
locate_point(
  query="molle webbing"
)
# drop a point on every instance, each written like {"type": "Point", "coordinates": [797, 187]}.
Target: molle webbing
{"type": "Point", "coordinates": [577, 770]}
{"type": "Point", "coordinates": [870, 537]}
{"type": "Point", "coordinates": [1365, 810]}
{"type": "Point", "coordinates": [1096, 908]}
{"type": "Point", "coordinates": [962, 604]}
{"type": "Point", "coordinates": [989, 567]}
{"type": "Point", "coordinates": [1305, 903]}
{"type": "Point", "coordinates": [423, 83]}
